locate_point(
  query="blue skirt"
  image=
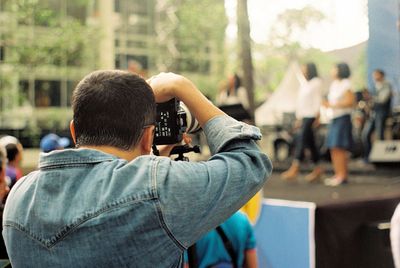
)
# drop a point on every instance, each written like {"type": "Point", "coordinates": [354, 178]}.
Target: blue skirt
{"type": "Point", "coordinates": [340, 133]}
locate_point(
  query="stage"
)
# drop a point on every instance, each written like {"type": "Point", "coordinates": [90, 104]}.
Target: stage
{"type": "Point", "coordinates": [312, 225]}
{"type": "Point", "coordinates": [364, 183]}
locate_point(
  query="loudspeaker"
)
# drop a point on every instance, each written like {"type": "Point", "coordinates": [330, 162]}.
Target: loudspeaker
{"type": "Point", "coordinates": [387, 151]}
{"type": "Point", "coordinates": [236, 111]}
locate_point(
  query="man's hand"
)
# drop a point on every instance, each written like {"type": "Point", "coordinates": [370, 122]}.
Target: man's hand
{"type": "Point", "coordinates": [316, 122]}
{"type": "Point", "coordinates": [164, 85]}
{"type": "Point", "coordinates": [169, 85]}
{"type": "Point", "coordinates": [165, 150]}
{"type": "Point", "coordinates": [297, 124]}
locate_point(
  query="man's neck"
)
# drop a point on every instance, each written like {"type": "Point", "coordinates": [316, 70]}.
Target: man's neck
{"type": "Point", "coordinates": [127, 155]}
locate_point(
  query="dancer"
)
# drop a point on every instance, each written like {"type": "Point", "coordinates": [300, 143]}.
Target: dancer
{"type": "Point", "coordinates": [307, 114]}
{"type": "Point", "coordinates": [339, 107]}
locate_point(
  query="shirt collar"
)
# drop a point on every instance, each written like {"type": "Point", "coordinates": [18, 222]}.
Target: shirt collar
{"type": "Point", "coordinates": [70, 157]}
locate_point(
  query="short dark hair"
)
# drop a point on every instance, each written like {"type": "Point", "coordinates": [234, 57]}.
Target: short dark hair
{"type": "Point", "coordinates": [12, 151]}
{"type": "Point", "coordinates": [343, 70]}
{"type": "Point", "coordinates": [311, 70]}
{"type": "Point", "coordinates": [237, 81]}
{"type": "Point", "coordinates": [380, 71]}
{"type": "Point", "coordinates": [111, 108]}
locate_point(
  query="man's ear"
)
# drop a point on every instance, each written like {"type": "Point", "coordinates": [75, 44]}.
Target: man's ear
{"type": "Point", "coordinates": [147, 140]}
{"type": "Point", "coordinates": [3, 173]}
{"type": "Point", "coordinates": [72, 130]}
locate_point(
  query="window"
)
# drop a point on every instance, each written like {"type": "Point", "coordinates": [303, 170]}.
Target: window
{"type": "Point", "coordinates": [47, 93]}
{"type": "Point", "coordinates": [117, 6]}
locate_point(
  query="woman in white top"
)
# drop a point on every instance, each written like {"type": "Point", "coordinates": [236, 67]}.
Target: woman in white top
{"type": "Point", "coordinates": [339, 107]}
{"type": "Point", "coordinates": [234, 93]}
{"type": "Point", "coordinates": [307, 114]}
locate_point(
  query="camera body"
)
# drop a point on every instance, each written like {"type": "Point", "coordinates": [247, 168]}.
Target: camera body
{"type": "Point", "coordinates": [172, 120]}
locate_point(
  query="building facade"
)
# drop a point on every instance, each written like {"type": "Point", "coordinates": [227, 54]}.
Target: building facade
{"type": "Point", "coordinates": [47, 46]}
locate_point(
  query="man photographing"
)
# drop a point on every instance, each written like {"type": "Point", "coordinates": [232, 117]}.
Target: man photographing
{"type": "Point", "coordinates": [109, 203]}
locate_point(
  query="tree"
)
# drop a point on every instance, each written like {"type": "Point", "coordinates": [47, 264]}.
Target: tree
{"type": "Point", "coordinates": [43, 40]}
{"type": "Point", "coordinates": [287, 42]}
{"type": "Point", "coordinates": [245, 51]}
{"type": "Point", "coordinates": [290, 28]}
{"type": "Point", "coordinates": [191, 34]}
{"type": "Point", "coordinates": [200, 34]}
{"type": "Point", "coordinates": [65, 42]}
{"type": "Point", "coordinates": [190, 40]}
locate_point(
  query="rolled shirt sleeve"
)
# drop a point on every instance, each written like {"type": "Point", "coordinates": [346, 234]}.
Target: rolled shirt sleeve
{"type": "Point", "coordinates": [195, 197]}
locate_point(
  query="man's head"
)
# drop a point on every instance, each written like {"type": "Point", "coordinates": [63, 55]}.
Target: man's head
{"type": "Point", "coordinates": [52, 142]}
{"type": "Point", "coordinates": [378, 75]}
{"type": "Point", "coordinates": [13, 148]}
{"type": "Point", "coordinates": [14, 152]}
{"type": "Point", "coordinates": [112, 108]}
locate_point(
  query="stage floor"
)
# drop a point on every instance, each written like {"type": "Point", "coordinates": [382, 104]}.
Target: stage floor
{"type": "Point", "coordinates": [364, 183]}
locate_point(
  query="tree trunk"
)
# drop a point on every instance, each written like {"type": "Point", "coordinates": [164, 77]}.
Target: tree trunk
{"type": "Point", "coordinates": [245, 52]}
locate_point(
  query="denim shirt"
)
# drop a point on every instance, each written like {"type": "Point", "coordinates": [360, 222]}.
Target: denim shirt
{"type": "Point", "coordinates": [86, 208]}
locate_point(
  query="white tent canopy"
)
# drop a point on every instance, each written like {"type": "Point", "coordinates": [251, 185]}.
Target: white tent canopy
{"type": "Point", "coordinates": [283, 100]}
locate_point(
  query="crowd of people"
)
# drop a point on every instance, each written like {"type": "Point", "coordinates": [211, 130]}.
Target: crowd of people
{"type": "Point", "coordinates": [13, 152]}
{"type": "Point", "coordinates": [338, 106]}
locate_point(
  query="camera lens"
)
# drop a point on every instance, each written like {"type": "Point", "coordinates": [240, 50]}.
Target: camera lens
{"type": "Point", "coordinates": [193, 125]}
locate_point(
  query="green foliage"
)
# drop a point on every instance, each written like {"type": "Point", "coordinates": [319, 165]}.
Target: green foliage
{"type": "Point", "coordinates": [299, 19]}
{"type": "Point", "coordinates": [208, 85]}
{"type": "Point", "coordinates": [269, 73]}
{"type": "Point", "coordinates": [289, 28]}
{"type": "Point", "coordinates": [53, 118]}
{"type": "Point", "coordinates": [285, 46]}
{"type": "Point", "coordinates": [64, 41]}
{"type": "Point", "coordinates": [199, 37]}
{"type": "Point", "coordinates": [323, 60]}
{"type": "Point", "coordinates": [359, 76]}
{"type": "Point", "coordinates": [5, 85]}
{"type": "Point", "coordinates": [201, 29]}
{"type": "Point", "coordinates": [201, 21]}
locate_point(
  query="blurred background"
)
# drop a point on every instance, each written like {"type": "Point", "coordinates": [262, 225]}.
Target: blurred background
{"type": "Point", "coordinates": [47, 46]}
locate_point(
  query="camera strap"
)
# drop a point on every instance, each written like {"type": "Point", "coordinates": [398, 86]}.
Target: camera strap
{"type": "Point", "coordinates": [192, 257]}
{"type": "Point", "coordinates": [228, 246]}
{"type": "Point", "coordinates": [192, 253]}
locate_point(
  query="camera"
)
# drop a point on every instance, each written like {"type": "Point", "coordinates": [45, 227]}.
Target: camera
{"type": "Point", "coordinates": [173, 119]}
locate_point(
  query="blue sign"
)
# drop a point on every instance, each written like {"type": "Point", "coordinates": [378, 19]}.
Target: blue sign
{"type": "Point", "coordinates": [285, 234]}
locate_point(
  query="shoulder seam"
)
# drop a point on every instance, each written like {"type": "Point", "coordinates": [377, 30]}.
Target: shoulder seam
{"type": "Point", "coordinates": [159, 208]}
